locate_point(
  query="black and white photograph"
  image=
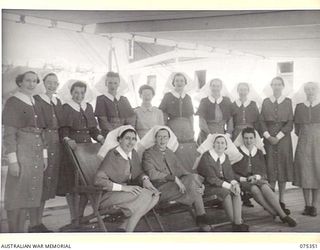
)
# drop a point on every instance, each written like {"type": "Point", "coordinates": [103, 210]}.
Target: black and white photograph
{"type": "Point", "coordinates": [161, 121]}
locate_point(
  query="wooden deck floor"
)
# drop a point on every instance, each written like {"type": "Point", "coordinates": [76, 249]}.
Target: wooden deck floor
{"type": "Point", "coordinates": [57, 215]}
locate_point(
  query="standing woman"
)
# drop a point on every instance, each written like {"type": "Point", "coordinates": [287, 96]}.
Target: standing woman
{"type": "Point", "coordinates": [245, 111]}
{"type": "Point", "coordinates": [215, 112]}
{"type": "Point", "coordinates": [178, 111]}
{"type": "Point", "coordinates": [307, 157]}
{"type": "Point", "coordinates": [52, 114]}
{"type": "Point", "coordinates": [277, 124]}
{"type": "Point", "coordinates": [28, 157]}
{"type": "Point", "coordinates": [78, 126]}
{"type": "Point", "coordinates": [147, 116]}
{"type": "Point", "coordinates": [112, 109]}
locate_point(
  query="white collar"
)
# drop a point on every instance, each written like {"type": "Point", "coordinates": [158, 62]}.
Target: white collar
{"type": "Point", "coordinates": [123, 154]}
{"type": "Point", "coordinates": [47, 99]}
{"type": "Point", "coordinates": [111, 97]}
{"type": "Point", "coordinates": [246, 150]}
{"type": "Point", "coordinates": [280, 99]}
{"type": "Point", "coordinates": [213, 100]}
{"type": "Point", "coordinates": [245, 104]}
{"type": "Point", "coordinates": [26, 99]}
{"type": "Point", "coordinates": [144, 109]}
{"type": "Point", "coordinates": [76, 106]}
{"type": "Point", "coordinates": [176, 94]}
{"type": "Point", "coordinates": [215, 156]}
{"type": "Point", "coordinates": [316, 102]}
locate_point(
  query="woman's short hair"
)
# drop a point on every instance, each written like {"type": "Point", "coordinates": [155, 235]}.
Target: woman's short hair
{"type": "Point", "coordinates": [162, 129]}
{"type": "Point", "coordinates": [278, 78]}
{"type": "Point", "coordinates": [125, 132]}
{"type": "Point", "coordinates": [179, 74]}
{"type": "Point", "coordinates": [248, 130]}
{"type": "Point", "coordinates": [145, 87]}
{"type": "Point", "coordinates": [216, 80]}
{"type": "Point", "coordinates": [47, 75]}
{"type": "Point", "coordinates": [244, 84]}
{"type": "Point", "coordinates": [113, 74]}
{"type": "Point", "coordinates": [78, 84]}
{"type": "Point", "coordinates": [20, 77]}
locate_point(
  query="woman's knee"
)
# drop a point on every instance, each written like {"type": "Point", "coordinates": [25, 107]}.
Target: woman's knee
{"type": "Point", "coordinates": [255, 190]}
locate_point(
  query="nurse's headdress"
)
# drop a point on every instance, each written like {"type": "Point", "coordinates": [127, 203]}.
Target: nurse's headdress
{"type": "Point", "coordinates": [150, 139]}
{"type": "Point", "coordinates": [258, 142]}
{"type": "Point", "coordinates": [252, 95]}
{"type": "Point", "coordinates": [300, 95]}
{"type": "Point", "coordinates": [231, 150]}
{"type": "Point", "coordinates": [102, 88]}
{"type": "Point", "coordinates": [112, 141]}
{"type": "Point", "coordinates": [205, 91]}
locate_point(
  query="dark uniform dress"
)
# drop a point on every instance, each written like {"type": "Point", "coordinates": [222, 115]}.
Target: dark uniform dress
{"type": "Point", "coordinates": [79, 125]}
{"type": "Point", "coordinates": [179, 111]}
{"type": "Point", "coordinates": [215, 173]}
{"type": "Point", "coordinates": [162, 167]}
{"type": "Point", "coordinates": [217, 115]}
{"type": "Point", "coordinates": [118, 113]}
{"type": "Point", "coordinates": [52, 114]}
{"type": "Point", "coordinates": [307, 157]}
{"type": "Point", "coordinates": [244, 115]}
{"type": "Point", "coordinates": [23, 125]}
{"type": "Point", "coordinates": [250, 165]}
{"type": "Point", "coordinates": [276, 117]}
{"type": "Point", "coordinates": [116, 169]}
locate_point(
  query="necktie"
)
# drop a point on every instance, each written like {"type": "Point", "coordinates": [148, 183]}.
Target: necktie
{"type": "Point", "coordinates": [180, 106]}
{"type": "Point", "coordinates": [34, 112]}
{"type": "Point", "coordinates": [83, 117]}
{"type": "Point", "coordinates": [250, 164]}
{"type": "Point", "coordinates": [130, 168]}
{"type": "Point", "coordinates": [217, 112]}
{"type": "Point", "coordinates": [165, 162]}
{"type": "Point", "coordinates": [54, 117]}
{"type": "Point", "coordinates": [220, 168]}
{"type": "Point", "coordinates": [116, 106]}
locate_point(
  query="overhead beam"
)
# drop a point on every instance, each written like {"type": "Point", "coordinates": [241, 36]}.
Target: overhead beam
{"type": "Point", "coordinates": [241, 21]}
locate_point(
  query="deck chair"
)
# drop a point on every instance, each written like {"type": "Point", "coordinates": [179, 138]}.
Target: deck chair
{"type": "Point", "coordinates": [86, 163]}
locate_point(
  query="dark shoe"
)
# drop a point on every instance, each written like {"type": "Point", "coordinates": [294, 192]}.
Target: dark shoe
{"type": "Point", "coordinates": [39, 229]}
{"type": "Point", "coordinates": [240, 228]}
{"type": "Point", "coordinates": [119, 230]}
{"type": "Point", "coordinates": [247, 203]}
{"type": "Point", "coordinates": [306, 210]}
{"type": "Point", "coordinates": [313, 211]}
{"type": "Point", "coordinates": [285, 210]}
{"type": "Point", "coordinates": [204, 220]}
{"type": "Point", "coordinates": [246, 200]}
{"type": "Point", "coordinates": [291, 222]}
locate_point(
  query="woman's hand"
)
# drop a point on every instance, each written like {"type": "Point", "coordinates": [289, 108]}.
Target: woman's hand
{"type": "Point", "coordinates": [135, 190]}
{"type": "Point", "coordinates": [148, 185]}
{"type": "Point", "coordinates": [252, 179]}
{"type": "Point", "coordinates": [45, 161]}
{"type": "Point", "coordinates": [235, 189]}
{"type": "Point", "coordinates": [201, 189]}
{"type": "Point", "coordinates": [14, 169]}
{"type": "Point", "coordinates": [273, 140]}
{"type": "Point", "coordinates": [181, 186]}
{"type": "Point", "coordinates": [72, 144]}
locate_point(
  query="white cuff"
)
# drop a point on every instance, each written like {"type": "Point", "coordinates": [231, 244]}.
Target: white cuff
{"type": "Point", "coordinates": [258, 177]}
{"type": "Point", "coordinates": [145, 177]}
{"type": "Point", "coordinates": [116, 187]}
{"type": "Point", "coordinates": [280, 135]}
{"type": "Point", "coordinates": [243, 179]}
{"type": "Point", "coordinates": [233, 182]}
{"type": "Point", "coordinates": [266, 135]}
{"type": "Point", "coordinates": [226, 185]}
{"type": "Point", "coordinates": [228, 134]}
{"type": "Point", "coordinates": [45, 153]}
{"type": "Point", "coordinates": [12, 157]}
{"type": "Point", "coordinates": [66, 138]}
{"type": "Point", "coordinates": [100, 137]}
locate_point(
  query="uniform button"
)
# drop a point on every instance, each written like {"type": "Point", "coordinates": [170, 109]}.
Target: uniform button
{"type": "Point", "coordinates": [34, 177]}
{"type": "Point", "coordinates": [78, 131]}
{"type": "Point", "coordinates": [52, 153]}
{"type": "Point", "coordinates": [49, 130]}
{"type": "Point", "coordinates": [35, 116]}
{"type": "Point", "coordinates": [54, 115]}
{"type": "Point", "coordinates": [33, 188]}
{"type": "Point", "coordinates": [37, 136]}
{"type": "Point", "coordinates": [87, 132]}
{"type": "Point", "coordinates": [38, 145]}
{"type": "Point", "coordinates": [35, 166]}
{"type": "Point", "coordinates": [49, 178]}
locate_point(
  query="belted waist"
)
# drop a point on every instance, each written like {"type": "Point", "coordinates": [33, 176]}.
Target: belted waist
{"type": "Point", "coordinates": [54, 130]}
{"type": "Point", "coordinates": [31, 130]}
{"type": "Point", "coordinates": [81, 131]}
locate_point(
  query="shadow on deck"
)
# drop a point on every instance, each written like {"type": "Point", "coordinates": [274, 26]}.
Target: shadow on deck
{"type": "Point", "coordinates": [56, 215]}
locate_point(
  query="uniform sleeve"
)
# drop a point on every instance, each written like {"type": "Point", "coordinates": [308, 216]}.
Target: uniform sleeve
{"type": "Point", "coordinates": [202, 109]}
{"type": "Point", "coordinates": [149, 166]}
{"type": "Point", "coordinates": [262, 123]}
{"type": "Point", "coordinates": [237, 174]}
{"type": "Point", "coordinates": [297, 126]}
{"type": "Point", "coordinates": [100, 109]}
{"type": "Point", "coordinates": [67, 120]}
{"type": "Point", "coordinates": [288, 126]}
{"type": "Point", "coordinates": [102, 180]}
{"type": "Point", "coordinates": [164, 108]}
{"type": "Point", "coordinates": [256, 123]}
{"type": "Point", "coordinates": [160, 118]}
{"type": "Point", "coordinates": [209, 176]}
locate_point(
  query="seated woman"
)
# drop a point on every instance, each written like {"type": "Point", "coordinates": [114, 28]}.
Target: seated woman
{"type": "Point", "coordinates": [169, 176]}
{"type": "Point", "coordinates": [251, 172]}
{"type": "Point", "coordinates": [216, 168]}
{"type": "Point", "coordinates": [121, 175]}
